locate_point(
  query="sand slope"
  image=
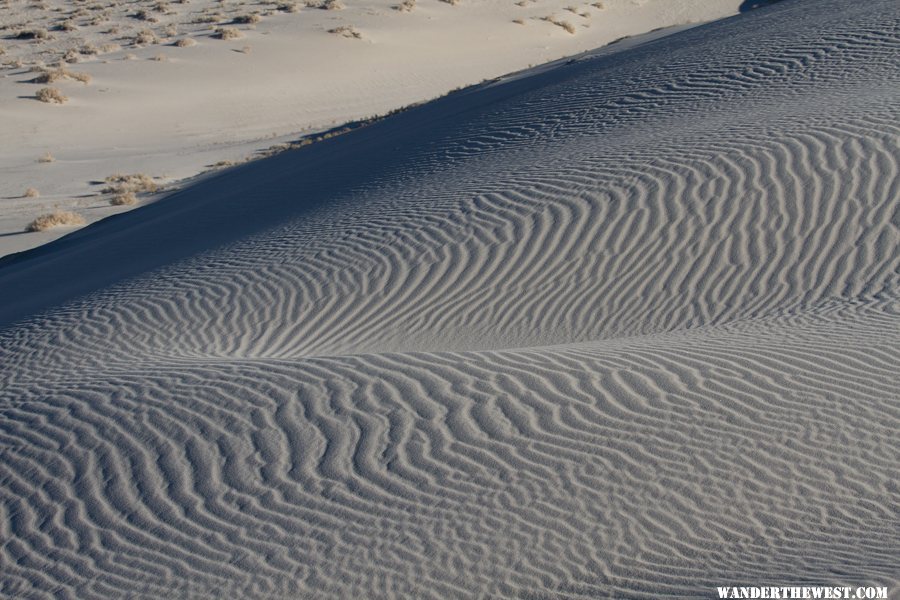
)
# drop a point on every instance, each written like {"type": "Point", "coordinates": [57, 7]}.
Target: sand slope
{"type": "Point", "coordinates": [626, 327]}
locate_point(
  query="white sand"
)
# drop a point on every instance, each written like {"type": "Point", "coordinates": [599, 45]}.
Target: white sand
{"type": "Point", "coordinates": [214, 102]}
{"type": "Point", "coordinates": [623, 328]}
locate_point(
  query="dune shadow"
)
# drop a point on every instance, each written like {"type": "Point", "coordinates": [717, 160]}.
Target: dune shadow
{"type": "Point", "coordinates": [752, 4]}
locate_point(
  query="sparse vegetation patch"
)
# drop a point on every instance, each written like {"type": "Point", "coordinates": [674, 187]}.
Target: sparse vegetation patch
{"type": "Point", "coordinates": [59, 218]}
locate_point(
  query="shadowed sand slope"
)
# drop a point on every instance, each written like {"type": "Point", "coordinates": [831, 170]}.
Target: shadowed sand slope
{"type": "Point", "coordinates": [624, 327]}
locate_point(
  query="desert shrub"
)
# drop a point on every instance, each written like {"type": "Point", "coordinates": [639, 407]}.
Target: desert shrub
{"type": "Point", "coordinates": [51, 95]}
{"type": "Point", "coordinates": [53, 75]}
{"type": "Point", "coordinates": [405, 6]}
{"type": "Point", "coordinates": [564, 24]}
{"type": "Point", "coordinates": [346, 31]}
{"type": "Point", "coordinates": [145, 37]}
{"type": "Point", "coordinates": [124, 199]}
{"type": "Point", "coordinates": [247, 19]}
{"type": "Point", "coordinates": [227, 33]}
{"type": "Point", "coordinates": [31, 193]}
{"type": "Point", "coordinates": [46, 158]}
{"type": "Point", "coordinates": [33, 34]}
{"type": "Point", "coordinates": [185, 43]}
{"type": "Point", "coordinates": [59, 218]}
{"type": "Point", "coordinates": [137, 182]}
{"type": "Point", "coordinates": [145, 15]}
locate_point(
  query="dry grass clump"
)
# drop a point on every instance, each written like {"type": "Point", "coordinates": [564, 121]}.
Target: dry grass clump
{"type": "Point", "coordinates": [59, 218]}
{"type": "Point", "coordinates": [110, 47]}
{"type": "Point", "coordinates": [405, 6]}
{"type": "Point", "coordinates": [46, 158]}
{"type": "Point", "coordinates": [160, 57]}
{"type": "Point", "coordinates": [451, 2]}
{"type": "Point", "coordinates": [185, 43]}
{"type": "Point", "coordinates": [247, 19]}
{"type": "Point", "coordinates": [59, 73]}
{"type": "Point", "coordinates": [205, 19]}
{"type": "Point", "coordinates": [51, 96]}
{"type": "Point", "coordinates": [145, 37]}
{"type": "Point", "coordinates": [170, 31]}
{"type": "Point", "coordinates": [227, 33]}
{"type": "Point", "coordinates": [33, 34]}
{"type": "Point", "coordinates": [67, 25]}
{"type": "Point", "coordinates": [145, 15]}
{"type": "Point", "coordinates": [519, 21]}
{"type": "Point", "coordinates": [135, 183]}
{"type": "Point", "coordinates": [31, 193]}
{"type": "Point", "coordinates": [598, 5]}
{"type": "Point", "coordinates": [124, 199]}
{"type": "Point", "coordinates": [332, 5]}
{"type": "Point", "coordinates": [564, 24]}
{"type": "Point", "coordinates": [290, 7]}
{"type": "Point", "coordinates": [346, 31]}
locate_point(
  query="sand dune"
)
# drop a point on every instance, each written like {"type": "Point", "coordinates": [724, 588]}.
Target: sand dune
{"type": "Point", "coordinates": [624, 326]}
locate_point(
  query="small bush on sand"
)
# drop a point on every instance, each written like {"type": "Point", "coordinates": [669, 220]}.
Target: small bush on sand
{"type": "Point", "coordinates": [564, 24]}
{"type": "Point", "coordinates": [290, 7]}
{"type": "Point", "coordinates": [124, 199]}
{"type": "Point", "coordinates": [227, 33]}
{"type": "Point", "coordinates": [247, 19]}
{"type": "Point", "coordinates": [145, 15]}
{"type": "Point", "coordinates": [33, 34]}
{"type": "Point", "coordinates": [185, 43]}
{"type": "Point", "coordinates": [405, 6]}
{"type": "Point", "coordinates": [347, 32]}
{"type": "Point", "coordinates": [31, 193]}
{"type": "Point", "coordinates": [53, 75]}
{"type": "Point", "coordinates": [59, 218]}
{"type": "Point", "coordinates": [46, 158]}
{"type": "Point", "coordinates": [136, 183]}
{"type": "Point", "coordinates": [332, 5]}
{"type": "Point", "coordinates": [51, 96]}
{"type": "Point", "coordinates": [145, 37]}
